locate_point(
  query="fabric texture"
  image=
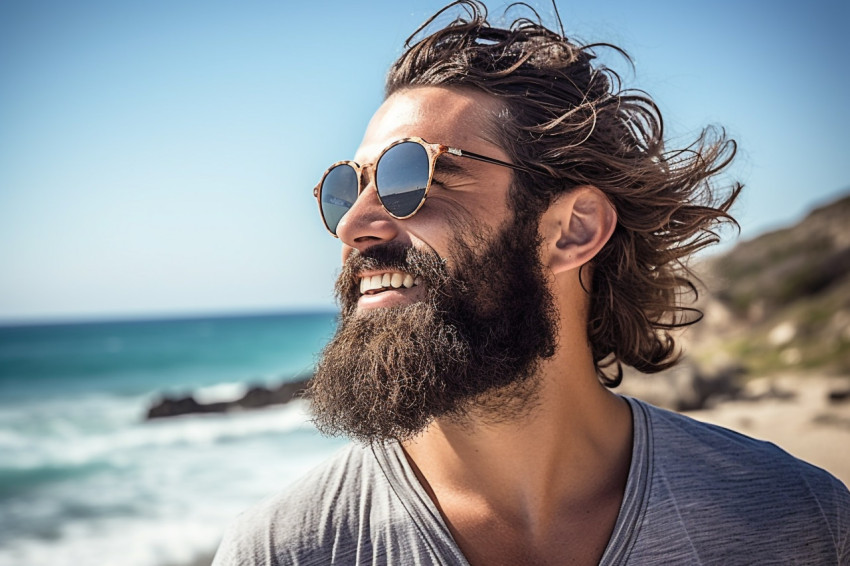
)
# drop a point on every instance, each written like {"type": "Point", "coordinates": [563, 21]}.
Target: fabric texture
{"type": "Point", "coordinates": [696, 494]}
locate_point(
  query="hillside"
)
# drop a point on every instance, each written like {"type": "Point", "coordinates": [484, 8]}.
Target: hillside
{"type": "Point", "coordinates": [782, 300]}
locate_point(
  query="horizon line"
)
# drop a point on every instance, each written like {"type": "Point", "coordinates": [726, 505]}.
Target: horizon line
{"type": "Point", "coordinates": [174, 316]}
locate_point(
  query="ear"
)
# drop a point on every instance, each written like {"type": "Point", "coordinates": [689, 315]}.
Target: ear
{"type": "Point", "coordinates": [575, 227]}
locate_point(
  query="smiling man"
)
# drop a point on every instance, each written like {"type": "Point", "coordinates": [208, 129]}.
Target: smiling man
{"type": "Point", "coordinates": [513, 230]}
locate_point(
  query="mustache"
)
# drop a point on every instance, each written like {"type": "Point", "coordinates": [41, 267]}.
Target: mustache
{"type": "Point", "coordinates": [392, 256]}
{"type": "Point", "coordinates": [388, 256]}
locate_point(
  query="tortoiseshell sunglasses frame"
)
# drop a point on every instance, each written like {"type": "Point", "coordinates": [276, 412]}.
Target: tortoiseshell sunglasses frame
{"type": "Point", "coordinates": [433, 150]}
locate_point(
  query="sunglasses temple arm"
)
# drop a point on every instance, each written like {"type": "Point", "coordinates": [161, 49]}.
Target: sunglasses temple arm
{"type": "Point", "coordinates": [484, 158]}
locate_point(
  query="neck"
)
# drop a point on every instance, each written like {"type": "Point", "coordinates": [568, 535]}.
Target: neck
{"type": "Point", "coordinates": [572, 447]}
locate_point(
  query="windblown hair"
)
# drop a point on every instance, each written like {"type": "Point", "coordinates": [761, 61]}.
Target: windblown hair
{"type": "Point", "coordinates": [567, 118]}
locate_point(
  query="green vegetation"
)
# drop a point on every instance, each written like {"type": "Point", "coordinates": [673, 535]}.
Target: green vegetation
{"type": "Point", "coordinates": [788, 293]}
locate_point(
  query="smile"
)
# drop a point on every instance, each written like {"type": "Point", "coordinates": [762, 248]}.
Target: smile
{"type": "Point", "coordinates": [374, 284]}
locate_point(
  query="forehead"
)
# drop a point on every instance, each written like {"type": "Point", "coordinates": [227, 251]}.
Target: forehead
{"type": "Point", "coordinates": [456, 117]}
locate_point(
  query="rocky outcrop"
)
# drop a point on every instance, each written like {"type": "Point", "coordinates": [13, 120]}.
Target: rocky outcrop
{"type": "Point", "coordinates": [798, 263]}
{"type": "Point", "coordinates": [684, 387]}
{"type": "Point", "coordinates": [256, 397]}
{"type": "Point", "coordinates": [784, 298]}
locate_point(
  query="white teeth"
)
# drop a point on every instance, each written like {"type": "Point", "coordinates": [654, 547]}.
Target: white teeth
{"type": "Point", "coordinates": [394, 280]}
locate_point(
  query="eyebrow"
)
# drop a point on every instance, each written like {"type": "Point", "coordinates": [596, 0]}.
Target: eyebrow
{"type": "Point", "coordinates": [446, 166]}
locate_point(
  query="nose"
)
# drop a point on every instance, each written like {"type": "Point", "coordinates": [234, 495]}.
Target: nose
{"type": "Point", "coordinates": [367, 223]}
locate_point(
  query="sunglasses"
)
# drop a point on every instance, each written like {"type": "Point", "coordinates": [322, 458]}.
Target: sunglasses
{"type": "Point", "coordinates": [403, 175]}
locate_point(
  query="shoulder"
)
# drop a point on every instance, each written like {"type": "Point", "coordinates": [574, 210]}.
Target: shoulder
{"type": "Point", "coordinates": [311, 521]}
{"type": "Point", "coordinates": [679, 441]}
{"type": "Point", "coordinates": [721, 482]}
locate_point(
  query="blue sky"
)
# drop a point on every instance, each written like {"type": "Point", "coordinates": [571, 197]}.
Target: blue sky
{"type": "Point", "coordinates": [157, 158]}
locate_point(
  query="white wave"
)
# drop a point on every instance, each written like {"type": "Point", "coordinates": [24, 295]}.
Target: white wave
{"type": "Point", "coordinates": [67, 443]}
{"type": "Point", "coordinates": [11, 440]}
{"type": "Point", "coordinates": [167, 509]}
{"type": "Point", "coordinates": [133, 542]}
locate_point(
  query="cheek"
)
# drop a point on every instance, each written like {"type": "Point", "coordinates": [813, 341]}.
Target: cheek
{"type": "Point", "coordinates": [444, 218]}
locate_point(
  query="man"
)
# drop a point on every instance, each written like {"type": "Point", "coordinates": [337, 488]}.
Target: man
{"type": "Point", "coordinates": [513, 230]}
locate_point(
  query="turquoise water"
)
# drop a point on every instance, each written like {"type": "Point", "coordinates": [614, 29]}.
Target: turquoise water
{"type": "Point", "coordinates": [84, 479]}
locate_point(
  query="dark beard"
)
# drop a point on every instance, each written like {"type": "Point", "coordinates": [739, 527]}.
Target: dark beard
{"type": "Point", "coordinates": [472, 345]}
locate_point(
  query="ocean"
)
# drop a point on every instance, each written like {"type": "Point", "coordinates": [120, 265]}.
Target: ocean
{"type": "Point", "coordinates": [85, 479]}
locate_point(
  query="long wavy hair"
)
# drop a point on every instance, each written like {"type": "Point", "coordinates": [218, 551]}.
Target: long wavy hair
{"type": "Point", "coordinates": [568, 118]}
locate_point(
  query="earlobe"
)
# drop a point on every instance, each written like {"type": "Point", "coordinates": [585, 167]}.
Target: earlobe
{"type": "Point", "coordinates": [575, 227]}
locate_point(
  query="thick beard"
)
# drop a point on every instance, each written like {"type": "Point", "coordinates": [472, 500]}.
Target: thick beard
{"type": "Point", "coordinates": [470, 348]}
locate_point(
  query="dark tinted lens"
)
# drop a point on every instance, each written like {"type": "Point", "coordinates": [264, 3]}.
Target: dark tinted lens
{"type": "Point", "coordinates": [339, 191]}
{"type": "Point", "coordinates": [402, 176]}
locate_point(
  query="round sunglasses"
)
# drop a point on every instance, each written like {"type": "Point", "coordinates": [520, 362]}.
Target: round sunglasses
{"type": "Point", "coordinates": [403, 175]}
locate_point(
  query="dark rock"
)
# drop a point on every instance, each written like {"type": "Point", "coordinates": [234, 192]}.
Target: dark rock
{"type": "Point", "coordinates": [684, 387]}
{"type": "Point", "coordinates": [839, 395]}
{"type": "Point", "coordinates": [262, 397]}
{"type": "Point", "coordinates": [186, 405]}
{"type": "Point", "coordinates": [256, 397]}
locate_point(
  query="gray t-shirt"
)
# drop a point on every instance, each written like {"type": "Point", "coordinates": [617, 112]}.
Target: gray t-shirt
{"type": "Point", "coordinates": [696, 494]}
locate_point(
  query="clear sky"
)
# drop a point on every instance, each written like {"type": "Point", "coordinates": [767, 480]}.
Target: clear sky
{"type": "Point", "coordinates": [157, 158]}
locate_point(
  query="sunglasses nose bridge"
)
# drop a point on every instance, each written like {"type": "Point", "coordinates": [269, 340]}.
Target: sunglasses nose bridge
{"type": "Point", "coordinates": [367, 178]}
